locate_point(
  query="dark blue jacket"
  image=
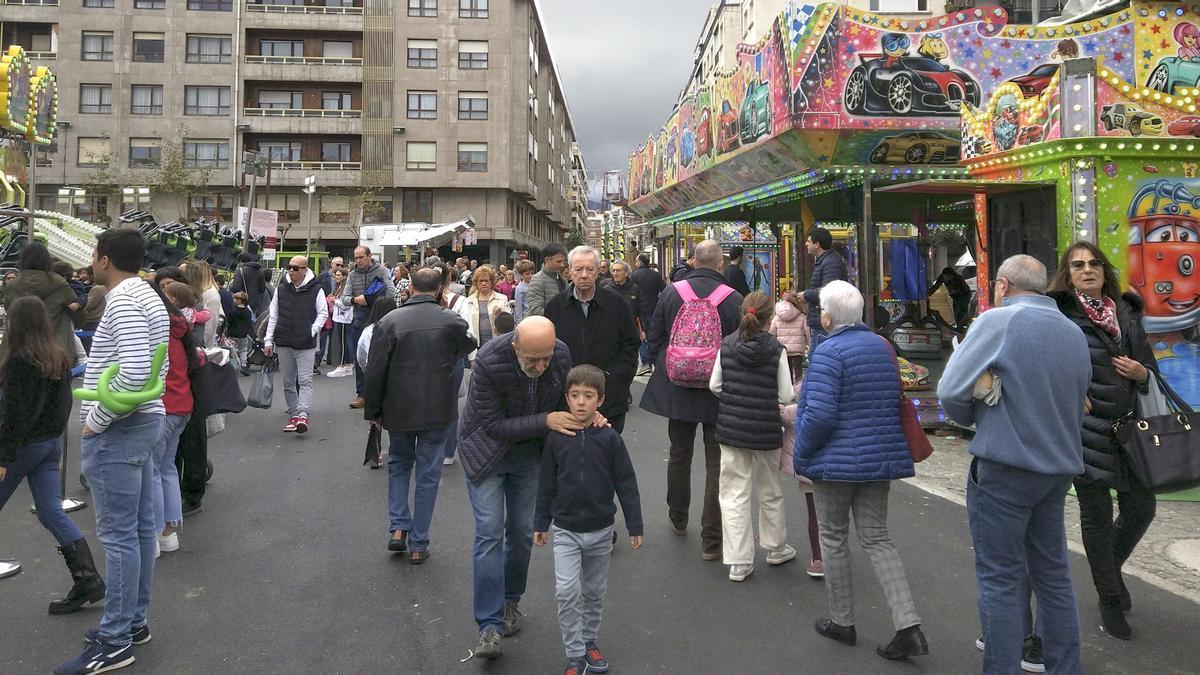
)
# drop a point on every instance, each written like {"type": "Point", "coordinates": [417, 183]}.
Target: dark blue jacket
{"type": "Point", "coordinates": [848, 415]}
{"type": "Point", "coordinates": [829, 266]}
{"type": "Point", "coordinates": [499, 416]}
{"type": "Point", "coordinates": [580, 475]}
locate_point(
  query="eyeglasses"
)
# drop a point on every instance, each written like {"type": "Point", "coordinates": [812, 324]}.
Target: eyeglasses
{"type": "Point", "coordinates": [296, 268]}
{"type": "Point", "coordinates": [1094, 263]}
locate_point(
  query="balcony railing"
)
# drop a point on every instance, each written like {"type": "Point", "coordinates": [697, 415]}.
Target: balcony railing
{"type": "Point", "coordinates": [300, 9]}
{"type": "Point", "coordinates": [42, 56]}
{"type": "Point", "coordinates": [42, 3]}
{"type": "Point", "coordinates": [305, 60]}
{"type": "Point", "coordinates": [299, 112]}
{"type": "Point", "coordinates": [317, 166]}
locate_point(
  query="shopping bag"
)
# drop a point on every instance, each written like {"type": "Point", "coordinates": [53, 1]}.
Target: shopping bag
{"type": "Point", "coordinates": [217, 390]}
{"type": "Point", "coordinates": [374, 445]}
{"type": "Point", "coordinates": [214, 424]}
{"type": "Point", "coordinates": [1164, 449]}
{"type": "Point", "coordinates": [262, 388]}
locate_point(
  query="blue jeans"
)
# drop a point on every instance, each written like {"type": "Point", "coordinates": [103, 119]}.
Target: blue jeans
{"type": "Point", "coordinates": [1016, 520]}
{"type": "Point", "coordinates": [503, 506]}
{"type": "Point", "coordinates": [322, 346]}
{"type": "Point", "coordinates": [644, 354]}
{"type": "Point", "coordinates": [353, 332]}
{"type": "Point", "coordinates": [451, 445]}
{"type": "Point", "coordinates": [424, 450]}
{"type": "Point", "coordinates": [39, 463]}
{"type": "Point", "coordinates": [120, 471]}
{"type": "Point", "coordinates": [168, 507]}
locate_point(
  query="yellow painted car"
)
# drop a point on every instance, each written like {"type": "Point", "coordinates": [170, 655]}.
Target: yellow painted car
{"type": "Point", "coordinates": [914, 377]}
{"type": "Point", "coordinates": [1131, 118]}
{"type": "Point", "coordinates": [918, 147]}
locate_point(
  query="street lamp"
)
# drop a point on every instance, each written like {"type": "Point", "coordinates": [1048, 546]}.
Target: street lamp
{"type": "Point", "coordinates": [254, 164]}
{"type": "Point", "coordinates": [310, 187]}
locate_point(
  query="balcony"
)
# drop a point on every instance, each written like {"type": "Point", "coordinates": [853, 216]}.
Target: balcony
{"type": "Point", "coordinates": [300, 112]}
{"type": "Point", "coordinates": [311, 68]}
{"type": "Point", "coordinates": [331, 174]}
{"type": "Point", "coordinates": [292, 9]}
{"type": "Point", "coordinates": [303, 121]}
{"type": "Point", "coordinates": [306, 60]}
{"type": "Point", "coordinates": [303, 17]}
{"type": "Point", "coordinates": [33, 3]}
{"type": "Point", "coordinates": [41, 56]}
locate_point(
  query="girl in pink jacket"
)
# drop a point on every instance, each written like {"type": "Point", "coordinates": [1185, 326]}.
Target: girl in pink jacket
{"type": "Point", "coordinates": [790, 327]}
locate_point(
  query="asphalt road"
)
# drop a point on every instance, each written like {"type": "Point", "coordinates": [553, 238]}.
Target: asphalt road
{"type": "Point", "coordinates": [286, 570]}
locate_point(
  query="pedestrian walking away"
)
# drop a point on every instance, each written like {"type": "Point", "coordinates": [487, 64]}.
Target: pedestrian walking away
{"type": "Point", "coordinates": [828, 265]}
{"type": "Point", "coordinates": [297, 314]}
{"type": "Point", "coordinates": [650, 285]}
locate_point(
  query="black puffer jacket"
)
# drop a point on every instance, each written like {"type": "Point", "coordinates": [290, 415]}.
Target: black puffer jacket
{"type": "Point", "coordinates": [1111, 395]}
{"type": "Point", "coordinates": [747, 416]}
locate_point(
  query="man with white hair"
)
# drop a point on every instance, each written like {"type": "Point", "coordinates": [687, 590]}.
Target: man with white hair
{"type": "Point", "coordinates": [597, 325]}
{"type": "Point", "coordinates": [687, 408]}
{"type": "Point", "coordinates": [1027, 448]}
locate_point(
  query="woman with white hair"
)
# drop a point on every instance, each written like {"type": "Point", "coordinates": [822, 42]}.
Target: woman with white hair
{"type": "Point", "coordinates": [850, 444]}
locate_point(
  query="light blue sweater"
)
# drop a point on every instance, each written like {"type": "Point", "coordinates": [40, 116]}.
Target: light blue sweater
{"type": "Point", "coordinates": [1043, 363]}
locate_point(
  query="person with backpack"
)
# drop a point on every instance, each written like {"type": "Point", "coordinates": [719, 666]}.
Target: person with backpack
{"type": "Point", "coordinates": [251, 279]}
{"type": "Point", "coordinates": [692, 317]}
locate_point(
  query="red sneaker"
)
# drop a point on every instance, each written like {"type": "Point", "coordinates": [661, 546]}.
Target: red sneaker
{"type": "Point", "coordinates": [291, 425]}
{"type": "Point", "coordinates": [301, 425]}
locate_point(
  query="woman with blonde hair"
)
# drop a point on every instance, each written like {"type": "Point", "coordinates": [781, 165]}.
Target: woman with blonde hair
{"type": "Point", "coordinates": [482, 305]}
{"type": "Point", "coordinates": [200, 277]}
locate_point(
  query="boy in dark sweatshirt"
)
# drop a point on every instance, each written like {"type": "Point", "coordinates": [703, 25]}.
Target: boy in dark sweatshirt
{"type": "Point", "coordinates": [580, 473]}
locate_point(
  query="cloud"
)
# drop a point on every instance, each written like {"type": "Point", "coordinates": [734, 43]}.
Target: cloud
{"type": "Point", "coordinates": [622, 64]}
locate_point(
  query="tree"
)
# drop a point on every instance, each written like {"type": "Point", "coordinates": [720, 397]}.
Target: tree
{"type": "Point", "coordinates": [171, 177]}
{"type": "Point", "coordinates": [574, 238]}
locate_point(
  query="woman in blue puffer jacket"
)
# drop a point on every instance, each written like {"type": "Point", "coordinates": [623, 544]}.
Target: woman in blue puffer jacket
{"type": "Point", "coordinates": [850, 444]}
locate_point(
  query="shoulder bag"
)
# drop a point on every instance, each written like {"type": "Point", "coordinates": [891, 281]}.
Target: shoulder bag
{"type": "Point", "coordinates": [910, 422]}
{"type": "Point", "coordinates": [1164, 449]}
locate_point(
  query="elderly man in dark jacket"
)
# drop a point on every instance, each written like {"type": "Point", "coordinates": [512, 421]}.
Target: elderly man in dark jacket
{"type": "Point", "coordinates": [650, 285]}
{"type": "Point", "coordinates": [597, 325]}
{"type": "Point", "coordinates": [688, 408]}
{"type": "Point", "coordinates": [420, 341]}
{"type": "Point", "coordinates": [517, 392]}
{"type": "Point", "coordinates": [828, 265]}
{"type": "Point", "coordinates": [360, 280]}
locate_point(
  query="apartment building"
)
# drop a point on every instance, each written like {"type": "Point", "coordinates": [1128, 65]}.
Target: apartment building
{"type": "Point", "coordinates": [405, 111]}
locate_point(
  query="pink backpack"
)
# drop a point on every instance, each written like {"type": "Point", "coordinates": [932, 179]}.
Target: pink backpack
{"type": "Point", "coordinates": [695, 336]}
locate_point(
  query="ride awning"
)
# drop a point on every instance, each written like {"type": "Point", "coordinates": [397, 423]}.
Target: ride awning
{"type": "Point", "coordinates": [415, 234]}
{"type": "Point", "coordinates": [963, 186]}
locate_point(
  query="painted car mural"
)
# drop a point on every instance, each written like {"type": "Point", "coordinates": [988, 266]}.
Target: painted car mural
{"type": "Point", "coordinates": [1036, 81]}
{"type": "Point", "coordinates": [1188, 125]}
{"type": "Point", "coordinates": [883, 85]}
{"type": "Point", "coordinates": [1131, 118]}
{"type": "Point", "coordinates": [916, 147]}
{"type": "Point", "coordinates": [704, 139]}
{"type": "Point", "coordinates": [727, 139]}
{"type": "Point", "coordinates": [1164, 249]}
{"type": "Point", "coordinates": [755, 118]}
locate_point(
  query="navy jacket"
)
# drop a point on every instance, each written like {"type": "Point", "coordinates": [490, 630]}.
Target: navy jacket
{"type": "Point", "coordinates": [848, 415]}
{"type": "Point", "coordinates": [737, 279]}
{"type": "Point", "coordinates": [606, 338]}
{"type": "Point", "coordinates": [499, 417]}
{"type": "Point", "coordinates": [829, 266]}
{"type": "Point", "coordinates": [580, 475]}
{"type": "Point", "coordinates": [650, 285]}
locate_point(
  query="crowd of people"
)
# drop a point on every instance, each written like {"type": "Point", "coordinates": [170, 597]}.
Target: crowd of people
{"type": "Point", "coordinates": [801, 386]}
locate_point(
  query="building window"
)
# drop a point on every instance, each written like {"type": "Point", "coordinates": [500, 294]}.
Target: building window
{"type": "Point", "coordinates": [422, 53]}
{"type": "Point", "coordinates": [281, 151]}
{"type": "Point", "coordinates": [149, 47]}
{"type": "Point", "coordinates": [336, 49]}
{"type": "Point", "coordinates": [206, 154]}
{"type": "Point", "coordinates": [426, 8]}
{"type": "Point", "coordinates": [472, 55]}
{"type": "Point", "coordinates": [97, 47]}
{"type": "Point", "coordinates": [98, 3]}
{"type": "Point", "coordinates": [337, 100]}
{"type": "Point", "coordinates": [94, 209]}
{"type": "Point", "coordinates": [335, 151]}
{"type": "Point", "coordinates": [472, 156]}
{"type": "Point", "coordinates": [335, 208]}
{"type": "Point", "coordinates": [280, 100]}
{"type": "Point", "coordinates": [417, 207]}
{"type": "Point", "coordinates": [286, 205]}
{"type": "Point", "coordinates": [92, 152]}
{"type": "Point", "coordinates": [95, 98]}
{"type": "Point", "coordinates": [377, 210]}
{"type": "Point", "coordinates": [473, 9]}
{"type": "Point", "coordinates": [144, 152]}
{"type": "Point", "coordinates": [211, 5]}
{"type": "Point", "coordinates": [206, 100]}
{"type": "Point", "coordinates": [219, 207]}
{"type": "Point", "coordinates": [472, 105]}
{"type": "Point", "coordinates": [147, 99]}
{"type": "Point", "coordinates": [209, 49]}
{"type": "Point", "coordinates": [422, 105]}
{"type": "Point", "coordinates": [281, 47]}
{"type": "Point", "coordinates": [149, 4]}
{"type": "Point", "coordinates": [422, 156]}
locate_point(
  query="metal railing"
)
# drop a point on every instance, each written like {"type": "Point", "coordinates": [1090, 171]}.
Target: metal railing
{"type": "Point", "coordinates": [42, 56]}
{"type": "Point", "coordinates": [300, 9]}
{"type": "Point", "coordinates": [305, 60]}
{"type": "Point", "coordinates": [300, 112]}
{"type": "Point", "coordinates": [317, 166]}
{"type": "Point", "coordinates": [44, 3]}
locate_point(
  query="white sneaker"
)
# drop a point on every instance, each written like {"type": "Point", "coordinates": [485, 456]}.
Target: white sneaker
{"type": "Point", "coordinates": [781, 556]}
{"type": "Point", "coordinates": [448, 461]}
{"type": "Point", "coordinates": [157, 548]}
{"type": "Point", "coordinates": [740, 572]}
{"type": "Point", "coordinates": [340, 371]}
{"type": "Point", "coordinates": [169, 543]}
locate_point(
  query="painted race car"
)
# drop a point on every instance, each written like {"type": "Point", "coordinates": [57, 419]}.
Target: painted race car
{"type": "Point", "coordinates": [1172, 72]}
{"type": "Point", "coordinates": [910, 85]}
{"type": "Point", "coordinates": [1131, 118]}
{"type": "Point", "coordinates": [1036, 81]}
{"type": "Point", "coordinates": [913, 377]}
{"type": "Point", "coordinates": [727, 136]}
{"type": "Point", "coordinates": [756, 112]}
{"type": "Point", "coordinates": [687, 146]}
{"type": "Point", "coordinates": [1164, 245]}
{"type": "Point", "coordinates": [917, 147]}
{"type": "Point", "coordinates": [1185, 126]}
{"type": "Point", "coordinates": [1030, 135]}
{"type": "Point", "coordinates": [704, 144]}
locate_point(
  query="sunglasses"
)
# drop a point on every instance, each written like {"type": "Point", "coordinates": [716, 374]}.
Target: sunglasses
{"type": "Point", "coordinates": [1094, 263]}
{"type": "Point", "coordinates": [296, 268]}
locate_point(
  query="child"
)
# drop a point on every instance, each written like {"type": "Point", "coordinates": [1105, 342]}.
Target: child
{"type": "Point", "coordinates": [241, 327]}
{"type": "Point", "coordinates": [787, 414]}
{"type": "Point", "coordinates": [751, 377]}
{"type": "Point", "coordinates": [525, 268]}
{"type": "Point", "coordinates": [503, 323]}
{"type": "Point", "coordinates": [790, 326]}
{"type": "Point", "coordinates": [187, 300]}
{"type": "Point", "coordinates": [583, 514]}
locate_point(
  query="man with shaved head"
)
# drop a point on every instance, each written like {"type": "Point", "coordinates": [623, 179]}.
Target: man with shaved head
{"type": "Point", "coordinates": [517, 391]}
{"type": "Point", "coordinates": [687, 408]}
{"type": "Point", "coordinates": [297, 314]}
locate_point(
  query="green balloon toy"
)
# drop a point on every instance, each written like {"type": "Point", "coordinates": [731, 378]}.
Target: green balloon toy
{"type": "Point", "coordinates": [125, 402]}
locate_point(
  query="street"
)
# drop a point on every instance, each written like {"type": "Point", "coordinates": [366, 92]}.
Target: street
{"type": "Point", "coordinates": [285, 570]}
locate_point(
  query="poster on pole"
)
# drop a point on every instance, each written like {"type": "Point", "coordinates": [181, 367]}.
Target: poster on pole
{"type": "Point", "coordinates": [263, 223]}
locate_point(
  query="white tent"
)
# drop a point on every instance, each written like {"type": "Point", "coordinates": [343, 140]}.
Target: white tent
{"type": "Point", "coordinates": [415, 235]}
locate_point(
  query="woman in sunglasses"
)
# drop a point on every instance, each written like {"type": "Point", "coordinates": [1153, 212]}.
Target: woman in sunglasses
{"type": "Point", "coordinates": [1087, 290]}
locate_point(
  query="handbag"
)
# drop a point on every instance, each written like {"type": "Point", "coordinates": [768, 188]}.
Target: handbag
{"type": "Point", "coordinates": [374, 445]}
{"type": "Point", "coordinates": [1164, 449]}
{"type": "Point", "coordinates": [262, 389]}
{"type": "Point", "coordinates": [214, 425]}
{"type": "Point", "coordinates": [910, 422]}
{"type": "Point", "coordinates": [217, 390]}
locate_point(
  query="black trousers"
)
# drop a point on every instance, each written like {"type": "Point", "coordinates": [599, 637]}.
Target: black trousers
{"type": "Point", "coordinates": [192, 460]}
{"type": "Point", "coordinates": [1109, 543]}
{"type": "Point", "coordinates": [679, 481]}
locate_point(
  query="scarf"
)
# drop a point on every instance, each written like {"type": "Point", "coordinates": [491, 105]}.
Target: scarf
{"type": "Point", "coordinates": [1102, 312]}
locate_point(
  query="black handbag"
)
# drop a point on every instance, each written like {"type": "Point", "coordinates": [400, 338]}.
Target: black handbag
{"type": "Point", "coordinates": [217, 390]}
{"type": "Point", "coordinates": [374, 447]}
{"type": "Point", "coordinates": [1164, 449]}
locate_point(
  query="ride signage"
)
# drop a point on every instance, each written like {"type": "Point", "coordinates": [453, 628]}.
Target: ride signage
{"type": "Point", "coordinates": [28, 98]}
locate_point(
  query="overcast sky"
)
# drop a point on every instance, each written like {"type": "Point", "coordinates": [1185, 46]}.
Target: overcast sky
{"type": "Point", "coordinates": [623, 64]}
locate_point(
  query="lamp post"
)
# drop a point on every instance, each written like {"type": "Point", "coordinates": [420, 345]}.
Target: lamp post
{"type": "Point", "coordinates": [254, 164]}
{"type": "Point", "coordinates": [310, 187]}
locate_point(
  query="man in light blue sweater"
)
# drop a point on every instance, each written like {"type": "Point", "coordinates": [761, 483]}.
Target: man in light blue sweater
{"type": "Point", "coordinates": [1026, 450]}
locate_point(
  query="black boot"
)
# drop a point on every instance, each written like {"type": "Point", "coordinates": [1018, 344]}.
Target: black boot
{"type": "Point", "coordinates": [1126, 599]}
{"type": "Point", "coordinates": [88, 586]}
{"type": "Point", "coordinates": [908, 642]}
{"type": "Point", "coordinates": [843, 634]}
{"type": "Point", "coordinates": [1112, 619]}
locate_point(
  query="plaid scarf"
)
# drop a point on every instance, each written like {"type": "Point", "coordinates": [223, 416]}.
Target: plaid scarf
{"type": "Point", "coordinates": [1102, 312]}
